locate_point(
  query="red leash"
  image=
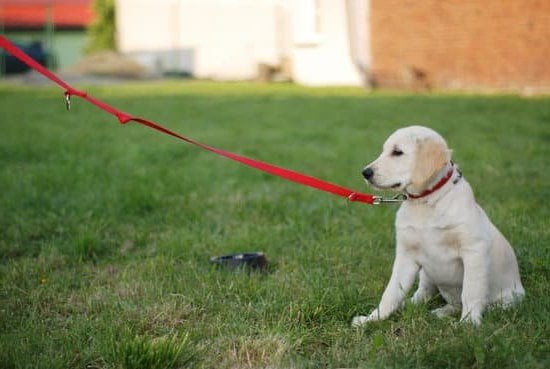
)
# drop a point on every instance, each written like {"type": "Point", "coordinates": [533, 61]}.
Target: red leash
{"type": "Point", "coordinates": [124, 118]}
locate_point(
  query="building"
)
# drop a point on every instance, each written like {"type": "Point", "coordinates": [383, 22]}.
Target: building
{"type": "Point", "coordinates": [59, 25]}
{"type": "Point", "coordinates": [460, 44]}
{"type": "Point", "coordinates": [311, 41]}
{"type": "Point", "coordinates": [416, 44]}
{"type": "Point", "coordinates": [422, 44]}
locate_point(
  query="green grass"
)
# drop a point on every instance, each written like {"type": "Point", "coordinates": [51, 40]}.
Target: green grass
{"type": "Point", "coordinates": [106, 230]}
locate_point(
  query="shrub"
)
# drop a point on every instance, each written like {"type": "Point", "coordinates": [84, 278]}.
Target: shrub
{"type": "Point", "coordinates": [101, 31]}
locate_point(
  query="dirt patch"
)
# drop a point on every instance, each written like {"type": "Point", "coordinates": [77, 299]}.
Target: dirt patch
{"type": "Point", "coordinates": [107, 64]}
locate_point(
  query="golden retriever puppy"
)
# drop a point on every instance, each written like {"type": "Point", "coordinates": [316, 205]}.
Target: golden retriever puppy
{"type": "Point", "coordinates": [442, 234]}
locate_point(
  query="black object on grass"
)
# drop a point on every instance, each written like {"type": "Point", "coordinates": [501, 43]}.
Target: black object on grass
{"type": "Point", "coordinates": [250, 260]}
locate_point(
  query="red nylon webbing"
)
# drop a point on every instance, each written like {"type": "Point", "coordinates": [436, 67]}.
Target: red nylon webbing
{"type": "Point", "coordinates": [125, 118]}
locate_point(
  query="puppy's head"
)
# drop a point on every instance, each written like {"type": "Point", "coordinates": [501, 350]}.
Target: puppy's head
{"type": "Point", "coordinates": [410, 159]}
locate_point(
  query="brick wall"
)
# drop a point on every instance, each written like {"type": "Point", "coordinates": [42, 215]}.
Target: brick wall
{"type": "Point", "coordinates": [461, 44]}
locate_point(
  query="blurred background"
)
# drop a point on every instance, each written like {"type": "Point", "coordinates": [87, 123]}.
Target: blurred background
{"type": "Point", "coordinates": [480, 45]}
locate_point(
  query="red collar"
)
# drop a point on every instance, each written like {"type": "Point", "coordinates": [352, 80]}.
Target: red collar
{"type": "Point", "coordinates": [436, 187]}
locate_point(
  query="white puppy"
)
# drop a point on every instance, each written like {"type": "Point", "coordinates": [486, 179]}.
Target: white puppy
{"type": "Point", "coordinates": [442, 234]}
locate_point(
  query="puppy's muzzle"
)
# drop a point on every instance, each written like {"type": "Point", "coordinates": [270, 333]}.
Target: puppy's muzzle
{"type": "Point", "coordinates": [368, 173]}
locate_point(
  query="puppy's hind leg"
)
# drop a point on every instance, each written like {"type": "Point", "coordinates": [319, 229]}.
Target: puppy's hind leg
{"type": "Point", "coordinates": [426, 289]}
{"type": "Point", "coordinates": [446, 311]}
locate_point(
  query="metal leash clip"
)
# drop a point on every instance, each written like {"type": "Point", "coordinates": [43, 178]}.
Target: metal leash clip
{"type": "Point", "coordinates": [68, 101]}
{"type": "Point", "coordinates": [399, 198]}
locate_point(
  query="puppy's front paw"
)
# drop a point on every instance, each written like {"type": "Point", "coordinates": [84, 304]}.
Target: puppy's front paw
{"type": "Point", "coordinates": [361, 320]}
{"type": "Point", "coordinates": [474, 319]}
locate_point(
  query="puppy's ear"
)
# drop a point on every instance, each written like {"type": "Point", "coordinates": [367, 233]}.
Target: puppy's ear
{"type": "Point", "coordinates": [431, 157]}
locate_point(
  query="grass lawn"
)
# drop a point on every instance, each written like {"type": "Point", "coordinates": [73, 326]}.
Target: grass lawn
{"type": "Point", "coordinates": [106, 230]}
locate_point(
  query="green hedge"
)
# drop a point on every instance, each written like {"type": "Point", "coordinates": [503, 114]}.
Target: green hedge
{"type": "Point", "coordinates": [102, 31]}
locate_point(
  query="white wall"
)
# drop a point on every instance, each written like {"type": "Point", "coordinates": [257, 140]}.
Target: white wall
{"type": "Point", "coordinates": [227, 39]}
{"type": "Point", "coordinates": [322, 56]}
{"type": "Point", "coordinates": [233, 39]}
{"type": "Point", "coordinates": [148, 30]}
{"type": "Point", "coordinates": [220, 39]}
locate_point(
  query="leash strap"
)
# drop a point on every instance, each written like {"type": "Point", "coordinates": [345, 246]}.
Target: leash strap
{"type": "Point", "coordinates": [124, 118]}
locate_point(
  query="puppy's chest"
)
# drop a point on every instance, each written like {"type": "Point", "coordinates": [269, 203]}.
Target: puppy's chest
{"type": "Point", "coordinates": [430, 237]}
{"type": "Point", "coordinates": [436, 249]}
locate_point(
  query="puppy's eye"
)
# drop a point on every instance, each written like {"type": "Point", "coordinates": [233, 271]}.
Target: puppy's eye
{"type": "Point", "coordinates": [396, 152]}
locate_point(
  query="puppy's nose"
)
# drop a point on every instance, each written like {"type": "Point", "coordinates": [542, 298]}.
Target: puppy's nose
{"type": "Point", "coordinates": [368, 172]}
